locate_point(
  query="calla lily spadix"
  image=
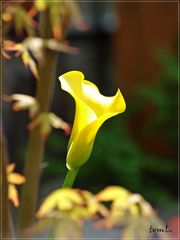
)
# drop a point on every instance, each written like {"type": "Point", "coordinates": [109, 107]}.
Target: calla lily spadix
{"type": "Point", "coordinates": [92, 110]}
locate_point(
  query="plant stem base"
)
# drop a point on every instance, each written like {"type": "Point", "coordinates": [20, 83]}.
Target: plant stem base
{"type": "Point", "coordinates": [70, 178]}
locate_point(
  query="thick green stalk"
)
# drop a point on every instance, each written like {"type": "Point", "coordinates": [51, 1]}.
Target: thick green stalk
{"type": "Point", "coordinates": [70, 178]}
{"type": "Point", "coordinates": [35, 148]}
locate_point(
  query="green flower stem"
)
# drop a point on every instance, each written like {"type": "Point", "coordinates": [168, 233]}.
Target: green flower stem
{"type": "Point", "coordinates": [70, 178]}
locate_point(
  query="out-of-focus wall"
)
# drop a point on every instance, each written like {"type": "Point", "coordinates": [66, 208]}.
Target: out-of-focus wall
{"type": "Point", "coordinates": [143, 27]}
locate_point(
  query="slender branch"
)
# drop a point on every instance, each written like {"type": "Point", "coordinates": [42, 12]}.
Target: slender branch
{"type": "Point", "coordinates": [70, 178]}
{"type": "Point", "coordinates": [35, 148]}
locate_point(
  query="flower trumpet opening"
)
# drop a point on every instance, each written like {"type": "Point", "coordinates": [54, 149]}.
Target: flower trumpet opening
{"type": "Point", "coordinates": [92, 110]}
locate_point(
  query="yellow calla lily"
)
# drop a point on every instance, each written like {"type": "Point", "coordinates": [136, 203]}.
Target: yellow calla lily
{"type": "Point", "coordinates": [92, 110]}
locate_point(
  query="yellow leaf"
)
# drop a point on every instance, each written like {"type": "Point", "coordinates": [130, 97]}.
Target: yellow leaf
{"type": "Point", "coordinates": [40, 5]}
{"type": "Point", "coordinates": [145, 207]}
{"type": "Point", "coordinates": [33, 67]}
{"type": "Point", "coordinates": [63, 199]}
{"type": "Point", "coordinates": [12, 46]}
{"type": "Point", "coordinates": [29, 62]}
{"type": "Point", "coordinates": [6, 17]}
{"type": "Point", "coordinates": [67, 198]}
{"type": "Point", "coordinates": [15, 178]}
{"type": "Point", "coordinates": [79, 213]}
{"type": "Point", "coordinates": [25, 57]}
{"type": "Point", "coordinates": [48, 205]}
{"type": "Point", "coordinates": [10, 167]}
{"type": "Point", "coordinates": [13, 195]}
{"type": "Point", "coordinates": [93, 205]}
{"type": "Point", "coordinates": [113, 193]}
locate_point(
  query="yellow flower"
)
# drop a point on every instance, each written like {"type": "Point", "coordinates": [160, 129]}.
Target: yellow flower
{"type": "Point", "coordinates": [13, 179]}
{"type": "Point", "coordinates": [92, 110]}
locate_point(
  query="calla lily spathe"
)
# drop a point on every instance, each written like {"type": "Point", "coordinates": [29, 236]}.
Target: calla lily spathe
{"type": "Point", "coordinates": [92, 110]}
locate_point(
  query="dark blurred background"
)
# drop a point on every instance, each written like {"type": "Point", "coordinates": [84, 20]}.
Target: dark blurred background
{"type": "Point", "coordinates": [131, 46]}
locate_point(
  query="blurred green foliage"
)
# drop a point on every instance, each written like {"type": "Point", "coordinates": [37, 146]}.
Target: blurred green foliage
{"type": "Point", "coordinates": [117, 157]}
{"type": "Point", "coordinates": [164, 97]}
